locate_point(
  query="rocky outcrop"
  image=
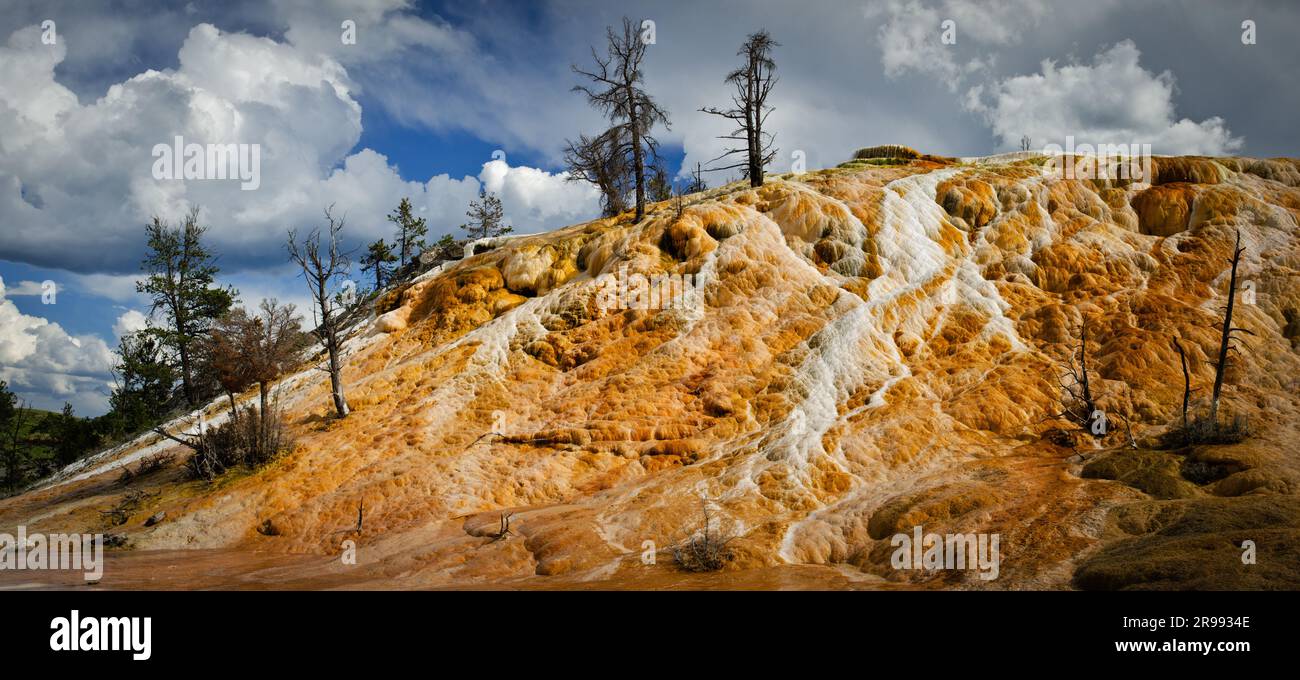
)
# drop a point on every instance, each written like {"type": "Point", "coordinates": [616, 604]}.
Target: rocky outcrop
{"type": "Point", "coordinates": [847, 354]}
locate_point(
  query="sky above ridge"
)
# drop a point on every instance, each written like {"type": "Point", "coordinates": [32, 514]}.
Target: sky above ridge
{"type": "Point", "coordinates": [434, 100]}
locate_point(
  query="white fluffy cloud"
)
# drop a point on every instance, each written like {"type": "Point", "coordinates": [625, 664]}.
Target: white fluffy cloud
{"type": "Point", "coordinates": [1112, 100]}
{"type": "Point", "coordinates": [79, 178]}
{"type": "Point", "coordinates": [536, 196]}
{"type": "Point", "coordinates": [27, 289]}
{"type": "Point", "coordinates": [129, 322]}
{"type": "Point", "coordinates": [910, 34]}
{"type": "Point", "coordinates": [116, 287]}
{"type": "Point", "coordinates": [45, 365]}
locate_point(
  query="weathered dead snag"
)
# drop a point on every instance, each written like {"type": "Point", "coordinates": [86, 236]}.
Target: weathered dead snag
{"type": "Point", "coordinates": [1079, 406]}
{"type": "Point", "coordinates": [126, 506]}
{"type": "Point", "coordinates": [1187, 381]}
{"type": "Point", "coordinates": [503, 529]}
{"type": "Point", "coordinates": [1210, 429]}
{"type": "Point", "coordinates": [1226, 342]}
{"type": "Point", "coordinates": [705, 550]}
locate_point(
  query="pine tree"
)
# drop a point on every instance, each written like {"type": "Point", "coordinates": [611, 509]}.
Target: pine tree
{"type": "Point", "coordinates": [410, 231]}
{"type": "Point", "coordinates": [379, 255]}
{"type": "Point", "coordinates": [661, 187]}
{"type": "Point", "coordinates": [7, 400]}
{"type": "Point", "coordinates": [14, 454]}
{"type": "Point", "coordinates": [180, 279]}
{"type": "Point", "coordinates": [485, 217]}
{"type": "Point", "coordinates": [73, 437]}
{"type": "Point", "coordinates": [144, 380]}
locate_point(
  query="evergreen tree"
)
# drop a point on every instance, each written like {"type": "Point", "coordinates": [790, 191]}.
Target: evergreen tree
{"type": "Point", "coordinates": [378, 258]}
{"type": "Point", "coordinates": [180, 279]}
{"type": "Point", "coordinates": [485, 216]}
{"type": "Point", "coordinates": [73, 437]}
{"type": "Point", "coordinates": [145, 379]}
{"type": "Point", "coordinates": [661, 188]}
{"type": "Point", "coordinates": [11, 447]}
{"type": "Point", "coordinates": [411, 231]}
{"type": "Point", "coordinates": [7, 404]}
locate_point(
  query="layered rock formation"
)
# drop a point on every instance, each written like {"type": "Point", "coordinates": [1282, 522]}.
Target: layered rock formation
{"type": "Point", "coordinates": [859, 351]}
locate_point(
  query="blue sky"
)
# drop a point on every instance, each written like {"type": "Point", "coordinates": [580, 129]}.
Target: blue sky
{"type": "Point", "coordinates": [429, 91]}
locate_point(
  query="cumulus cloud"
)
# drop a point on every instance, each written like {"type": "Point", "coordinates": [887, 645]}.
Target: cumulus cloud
{"type": "Point", "coordinates": [536, 196]}
{"type": "Point", "coordinates": [45, 365]}
{"type": "Point", "coordinates": [1112, 100]}
{"type": "Point", "coordinates": [910, 34]}
{"type": "Point", "coordinates": [129, 322]}
{"type": "Point", "coordinates": [79, 178]}
{"type": "Point", "coordinates": [481, 75]}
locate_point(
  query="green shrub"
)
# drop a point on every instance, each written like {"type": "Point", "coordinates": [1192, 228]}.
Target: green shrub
{"type": "Point", "coordinates": [245, 440]}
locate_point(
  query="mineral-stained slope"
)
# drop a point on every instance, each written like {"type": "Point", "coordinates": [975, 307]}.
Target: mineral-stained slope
{"type": "Point", "coordinates": [864, 350]}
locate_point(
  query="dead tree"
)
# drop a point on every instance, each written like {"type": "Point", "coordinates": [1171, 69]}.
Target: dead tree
{"type": "Point", "coordinates": [204, 463]}
{"type": "Point", "coordinates": [602, 161]}
{"type": "Point", "coordinates": [617, 91]}
{"type": "Point", "coordinates": [503, 528]}
{"type": "Point", "coordinates": [1128, 425]}
{"type": "Point", "coordinates": [1226, 339]}
{"type": "Point", "coordinates": [753, 82]}
{"type": "Point", "coordinates": [227, 351]}
{"type": "Point", "coordinates": [1079, 404]}
{"type": "Point", "coordinates": [706, 549]}
{"type": "Point", "coordinates": [1128, 431]}
{"type": "Point", "coordinates": [126, 506]}
{"type": "Point", "coordinates": [1187, 382]}
{"type": "Point", "coordinates": [321, 265]}
{"type": "Point", "coordinates": [696, 184]}
{"type": "Point", "coordinates": [361, 514]}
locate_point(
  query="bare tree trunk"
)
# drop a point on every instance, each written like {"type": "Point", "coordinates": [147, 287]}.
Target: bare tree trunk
{"type": "Point", "coordinates": [1083, 367]}
{"type": "Point", "coordinates": [262, 389]}
{"type": "Point", "coordinates": [1226, 336]}
{"type": "Point", "coordinates": [186, 382]}
{"type": "Point", "coordinates": [336, 379]}
{"type": "Point", "coordinates": [1187, 382]}
{"type": "Point", "coordinates": [319, 269]}
{"type": "Point", "coordinates": [638, 160]}
{"type": "Point", "coordinates": [752, 129]}
{"type": "Point", "coordinates": [753, 82]}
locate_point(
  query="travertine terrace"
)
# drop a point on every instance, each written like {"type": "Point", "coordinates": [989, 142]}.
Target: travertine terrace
{"type": "Point", "coordinates": [874, 347]}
